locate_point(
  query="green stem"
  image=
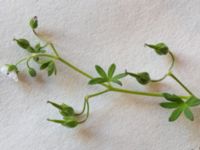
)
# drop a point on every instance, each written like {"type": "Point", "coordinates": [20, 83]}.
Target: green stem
{"type": "Point", "coordinates": [141, 93]}
{"type": "Point", "coordinates": [47, 43]}
{"type": "Point", "coordinates": [74, 68]}
{"type": "Point", "coordinates": [86, 103]}
{"type": "Point", "coordinates": [20, 61]}
{"type": "Point", "coordinates": [180, 83]}
{"type": "Point", "coordinates": [54, 50]}
{"type": "Point", "coordinates": [170, 68]}
{"type": "Point", "coordinates": [109, 87]}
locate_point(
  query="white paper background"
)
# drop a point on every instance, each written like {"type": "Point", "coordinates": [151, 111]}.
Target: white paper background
{"type": "Point", "coordinates": [89, 32]}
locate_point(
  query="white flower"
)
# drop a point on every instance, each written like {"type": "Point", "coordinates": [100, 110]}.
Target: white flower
{"type": "Point", "coordinates": [11, 74]}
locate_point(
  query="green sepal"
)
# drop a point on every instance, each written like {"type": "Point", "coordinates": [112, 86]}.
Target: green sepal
{"type": "Point", "coordinates": [70, 122]}
{"type": "Point", "coordinates": [32, 72]}
{"type": "Point", "coordinates": [160, 48]}
{"type": "Point", "coordinates": [23, 43]}
{"type": "Point", "coordinates": [44, 65]}
{"type": "Point", "coordinates": [65, 110]}
{"type": "Point", "coordinates": [33, 23]}
{"type": "Point", "coordinates": [142, 77]}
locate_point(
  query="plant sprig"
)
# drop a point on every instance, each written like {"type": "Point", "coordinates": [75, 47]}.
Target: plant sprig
{"type": "Point", "coordinates": [108, 79]}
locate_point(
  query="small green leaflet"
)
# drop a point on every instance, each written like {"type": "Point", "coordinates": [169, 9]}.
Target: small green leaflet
{"type": "Point", "coordinates": [23, 43]}
{"type": "Point", "coordinates": [175, 114]}
{"type": "Point", "coordinates": [107, 77]}
{"type": "Point", "coordinates": [50, 66]}
{"type": "Point", "coordinates": [180, 106]}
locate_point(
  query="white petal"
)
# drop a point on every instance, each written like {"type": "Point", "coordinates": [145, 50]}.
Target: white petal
{"type": "Point", "coordinates": [13, 76]}
{"type": "Point", "coordinates": [4, 70]}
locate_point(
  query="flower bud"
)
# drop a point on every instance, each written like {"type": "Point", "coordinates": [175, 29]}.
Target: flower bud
{"type": "Point", "coordinates": [33, 22]}
{"type": "Point", "coordinates": [160, 48]}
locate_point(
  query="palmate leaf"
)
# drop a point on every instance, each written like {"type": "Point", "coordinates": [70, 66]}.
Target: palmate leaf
{"type": "Point", "coordinates": [160, 48]}
{"type": "Point", "coordinates": [109, 77]}
{"type": "Point", "coordinates": [180, 105]}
